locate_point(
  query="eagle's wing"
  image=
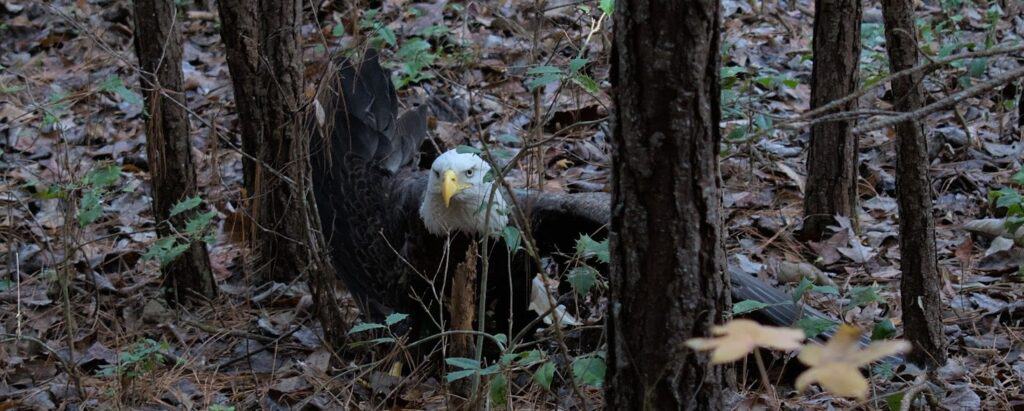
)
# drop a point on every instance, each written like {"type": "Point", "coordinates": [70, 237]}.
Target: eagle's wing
{"type": "Point", "coordinates": [558, 220]}
{"type": "Point", "coordinates": [362, 153]}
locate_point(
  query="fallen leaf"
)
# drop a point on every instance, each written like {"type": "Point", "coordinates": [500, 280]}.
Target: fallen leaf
{"type": "Point", "coordinates": [541, 301]}
{"type": "Point", "coordinates": [737, 338]}
{"type": "Point", "coordinates": [835, 365]}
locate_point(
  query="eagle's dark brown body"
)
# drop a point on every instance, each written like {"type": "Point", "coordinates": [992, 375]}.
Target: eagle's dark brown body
{"type": "Point", "coordinates": [368, 192]}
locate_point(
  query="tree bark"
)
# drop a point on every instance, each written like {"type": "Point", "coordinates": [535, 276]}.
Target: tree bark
{"type": "Point", "coordinates": [264, 55]}
{"type": "Point", "coordinates": [239, 29]}
{"type": "Point", "coordinates": [158, 46]}
{"type": "Point", "coordinates": [832, 156]}
{"type": "Point", "coordinates": [920, 286]}
{"type": "Point", "coordinates": [667, 280]}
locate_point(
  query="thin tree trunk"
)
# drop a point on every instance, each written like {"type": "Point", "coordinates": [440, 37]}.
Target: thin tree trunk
{"type": "Point", "coordinates": [832, 156]}
{"type": "Point", "coordinates": [158, 46]}
{"type": "Point", "coordinates": [667, 279]}
{"type": "Point", "coordinates": [920, 286]}
{"type": "Point", "coordinates": [240, 31]}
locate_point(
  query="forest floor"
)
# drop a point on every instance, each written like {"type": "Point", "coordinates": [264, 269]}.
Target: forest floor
{"type": "Point", "coordinates": [83, 322]}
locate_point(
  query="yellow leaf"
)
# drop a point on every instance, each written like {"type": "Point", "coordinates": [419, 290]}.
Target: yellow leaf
{"type": "Point", "coordinates": [739, 337]}
{"type": "Point", "coordinates": [835, 365]}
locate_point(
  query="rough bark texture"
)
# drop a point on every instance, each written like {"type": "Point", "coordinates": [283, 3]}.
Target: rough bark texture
{"type": "Point", "coordinates": [920, 286]}
{"type": "Point", "coordinates": [463, 309]}
{"type": "Point", "coordinates": [832, 156]}
{"type": "Point", "coordinates": [667, 278]}
{"type": "Point", "coordinates": [239, 29]}
{"type": "Point", "coordinates": [264, 47]}
{"type": "Point", "coordinates": [158, 46]}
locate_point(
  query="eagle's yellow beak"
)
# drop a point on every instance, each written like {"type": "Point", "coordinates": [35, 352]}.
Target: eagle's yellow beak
{"type": "Point", "coordinates": [450, 186]}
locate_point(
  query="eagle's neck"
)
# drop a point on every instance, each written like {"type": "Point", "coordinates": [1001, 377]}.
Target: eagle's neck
{"type": "Point", "coordinates": [465, 215]}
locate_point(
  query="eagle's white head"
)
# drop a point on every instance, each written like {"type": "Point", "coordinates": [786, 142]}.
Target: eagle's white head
{"type": "Point", "coordinates": [456, 197]}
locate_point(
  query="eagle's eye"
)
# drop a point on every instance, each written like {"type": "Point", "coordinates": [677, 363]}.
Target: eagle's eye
{"type": "Point", "coordinates": [437, 174]}
{"type": "Point", "coordinates": [469, 173]}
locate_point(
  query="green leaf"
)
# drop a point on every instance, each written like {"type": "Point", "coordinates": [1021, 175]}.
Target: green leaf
{"type": "Point", "coordinates": [90, 208]}
{"type": "Point", "coordinates": [185, 205]}
{"type": "Point", "coordinates": [861, 296]}
{"type": "Point", "coordinates": [501, 338]}
{"type": "Point", "coordinates": [826, 289]}
{"type": "Point", "coordinates": [5, 284]}
{"type": "Point", "coordinates": [731, 71]}
{"type": "Point", "coordinates": [978, 67]}
{"type": "Point", "coordinates": [381, 340]}
{"type": "Point", "coordinates": [102, 177]}
{"type": "Point", "coordinates": [586, 83]}
{"type": "Point", "coordinates": [436, 30]}
{"type": "Point", "coordinates": [883, 330]}
{"type": "Point", "coordinates": [607, 6]}
{"type": "Point", "coordinates": [814, 326]}
{"type": "Point", "coordinates": [1006, 197]}
{"type": "Point", "coordinates": [737, 134]}
{"type": "Point", "coordinates": [493, 369]}
{"type": "Point", "coordinates": [467, 150]}
{"type": "Point", "coordinates": [884, 370]}
{"type": "Point", "coordinates": [589, 370]}
{"type": "Point", "coordinates": [458, 375]}
{"type": "Point", "coordinates": [747, 306]}
{"type": "Point", "coordinates": [387, 35]}
{"type": "Point", "coordinates": [763, 122]}
{"type": "Point", "coordinates": [395, 318]}
{"type": "Point", "coordinates": [462, 362]}
{"type": "Point", "coordinates": [803, 287]}
{"type": "Point", "coordinates": [511, 236]}
{"type": "Point", "coordinates": [499, 390]}
{"type": "Point", "coordinates": [527, 358]}
{"type": "Point", "coordinates": [338, 30]}
{"type": "Point", "coordinates": [544, 374]}
{"type": "Point", "coordinates": [582, 279]}
{"type": "Point", "coordinates": [365, 327]}
{"type": "Point", "coordinates": [586, 247]}
{"type": "Point", "coordinates": [576, 64]}
{"type": "Point", "coordinates": [543, 80]}
{"type": "Point", "coordinates": [197, 224]}
{"type": "Point", "coordinates": [544, 70]}
{"type": "Point", "coordinates": [115, 85]}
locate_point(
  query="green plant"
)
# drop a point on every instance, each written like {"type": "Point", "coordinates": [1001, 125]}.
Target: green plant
{"type": "Point", "coordinates": [197, 228]}
{"type": "Point", "coordinates": [142, 358]}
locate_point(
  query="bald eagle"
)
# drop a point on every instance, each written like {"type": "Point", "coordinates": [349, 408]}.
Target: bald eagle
{"type": "Point", "coordinates": [391, 228]}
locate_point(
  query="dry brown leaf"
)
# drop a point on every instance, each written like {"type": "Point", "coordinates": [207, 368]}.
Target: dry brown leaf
{"type": "Point", "coordinates": [835, 365]}
{"type": "Point", "coordinates": [739, 337]}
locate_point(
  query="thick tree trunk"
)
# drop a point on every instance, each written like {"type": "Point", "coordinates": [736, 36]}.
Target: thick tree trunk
{"type": "Point", "coordinates": [667, 279]}
{"type": "Point", "coordinates": [264, 55]}
{"type": "Point", "coordinates": [832, 156]}
{"type": "Point", "coordinates": [158, 46]}
{"type": "Point", "coordinates": [920, 287]}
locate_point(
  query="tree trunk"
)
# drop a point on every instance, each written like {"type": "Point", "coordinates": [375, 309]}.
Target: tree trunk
{"type": "Point", "coordinates": [264, 55]}
{"type": "Point", "coordinates": [920, 286]}
{"type": "Point", "coordinates": [667, 280]}
{"type": "Point", "coordinates": [239, 29]}
{"type": "Point", "coordinates": [832, 156]}
{"type": "Point", "coordinates": [158, 46]}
